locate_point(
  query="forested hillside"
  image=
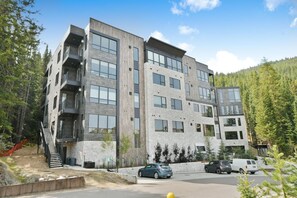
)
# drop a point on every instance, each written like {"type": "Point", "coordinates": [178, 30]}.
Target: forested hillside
{"type": "Point", "coordinates": [21, 72]}
{"type": "Point", "coordinates": [269, 97]}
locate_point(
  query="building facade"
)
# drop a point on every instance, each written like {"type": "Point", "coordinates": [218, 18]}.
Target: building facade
{"type": "Point", "coordinates": [112, 95]}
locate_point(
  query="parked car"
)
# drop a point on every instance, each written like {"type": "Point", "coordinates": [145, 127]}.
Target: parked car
{"type": "Point", "coordinates": [244, 166]}
{"type": "Point", "coordinates": [218, 166]}
{"type": "Point", "coordinates": [156, 170]}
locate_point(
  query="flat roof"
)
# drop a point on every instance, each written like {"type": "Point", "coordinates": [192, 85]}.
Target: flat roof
{"type": "Point", "coordinates": [153, 42]}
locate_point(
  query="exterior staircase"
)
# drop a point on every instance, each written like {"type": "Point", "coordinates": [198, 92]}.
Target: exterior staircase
{"type": "Point", "coordinates": [52, 157]}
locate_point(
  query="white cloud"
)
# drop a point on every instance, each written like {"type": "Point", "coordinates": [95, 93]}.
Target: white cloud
{"type": "Point", "coordinates": [158, 35]}
{"type": "Point", "coordinates": [197, 5]}
{"type": "Point", "coordinates": [186, 30]}
{"type": "Point", "coordinates": [226, 62]}
{"type": "Point", "coordinates": [294, 23]}
{"type": "Point", "coordinates": [175, 10]}
{"type": "Point", "coordinates": [185, 46]}
{"type": "Point", "coordinates": [273, 4]}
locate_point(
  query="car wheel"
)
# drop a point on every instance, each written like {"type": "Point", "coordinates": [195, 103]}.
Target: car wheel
{"type": "Point", "coordinates": [156, 175]}
{"type": "Point", "coordinates": [168, 177]}
{"type": "Point", "coordinates": [206, 170]}
{"type": "Point", "coordinates": [139, 174]}
{"type": "Point", "coordinates": [241, 171]}
{"type": "Point", "coordinates": [252, 173]}
{"type": "Point", "coordinates": [219, 171]}
{"type": "Point", "coordinates": [229, 172]}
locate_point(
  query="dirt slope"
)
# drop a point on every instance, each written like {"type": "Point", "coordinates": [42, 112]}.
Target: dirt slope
{"type": "Point", "coordinates": [28, 166]}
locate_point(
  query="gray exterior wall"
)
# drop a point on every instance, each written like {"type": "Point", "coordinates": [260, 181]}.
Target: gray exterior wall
{"type": "Point", "coordinates": [69, 120]}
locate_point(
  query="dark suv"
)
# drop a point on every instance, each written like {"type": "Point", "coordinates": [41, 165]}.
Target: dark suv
{"type": "Point", "coordinates": [218, 166]}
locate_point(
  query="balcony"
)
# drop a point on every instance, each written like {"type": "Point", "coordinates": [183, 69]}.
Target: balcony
{"type": "Point", "coordinates": [71, 56]}
{"type": "Point", "coordinates": [65, 138]}
{"type": "Point", "coordinates": [68, 84]}
{"type": "Point", "coordinates": [74, 35]}
{"type": "Point", "coordinates": [66, 109]}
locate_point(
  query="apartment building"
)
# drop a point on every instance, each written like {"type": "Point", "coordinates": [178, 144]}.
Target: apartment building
{"type": "Point", "coordinates": [112, 95]}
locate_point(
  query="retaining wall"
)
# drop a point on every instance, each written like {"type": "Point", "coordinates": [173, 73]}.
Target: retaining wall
{"type": "Point", "coordinates": [42, 186]}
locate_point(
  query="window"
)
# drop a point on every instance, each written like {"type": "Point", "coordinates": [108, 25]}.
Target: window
{"type": "Point", "coordinates": [177, 126]}
{"type": "Point", "coordinates": [136, 100]}
{"type": "Point", "coordinates": [59, 56]}
{"type": "Point", "coordinates": [198, 127]}
{"type": "Point", "coordinates": [102, 95]}
{"type": "Point", "coordinates": [196, 107]}
{"type": "Point", "coordinates": [234, 95]}
{"type": "Point", "coordinates": [186, 70]}
{"type": "Point", "coordinates": [220, 96]}
{"type": "Point", "coordinates": [239, 121]}
{"type": "Point", "coordinates": [104, 69]}
{"type": "Point", "coordinates": [55, 102]}
{"type": "Point", "coordinates": [57, 79]}
{"type": "Point", "coordinates": [156, 58]}
{"type": "Point", "coordinates": [159, 79]}
{"type": "Point", "coordinates": [176, 104]}
{"type": "Point", "coordinates": [136, 133]}
{"type": "Point", "coordinates": [209, 130]}
{"type": "Point", "coordinates": [204, 93]}
{"type": "Point", "coordinates": [102, 124]}
{"type": "Point", "coordinates": [104, 44]}
{"type": "Point", "coordinates": [160, 101]}
{"type": "Point", "coordinates": [206, 111]}
{"type": "Point", "coordinates": [229, 122]}
{"type": "Point", "coordinates": [231, 135]}
{"type": "Point", "coordinates": [174, 83]}
{"type": "Point", "coordinates": [161, 125]}
{"type": "Point", "coordinates": [135, 54]}
{"type": "Point", "coordinates": [48, 88]}
{"type": "Point", "coordinates": [50, 70]}
{"type": "Point", "coordinates": [136, 76]}
{"type": "Point", "coordinates": [174, 64]}
{"type": "Point", "coordinates": [187, 88]}
{"type": "Point", "coordinates": [202, 75]}
{"type": "Point", "coordinates": [159, 59]}
{"type": "Point", "coordinates": [200, 148]}
{"type": "Point", "coordinates": [86, 41]}
{"type": "Point", "coordinates": [241, 134]}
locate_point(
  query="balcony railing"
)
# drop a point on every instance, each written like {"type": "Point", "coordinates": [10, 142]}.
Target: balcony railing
{"type": "Point", "coordinates": [71, 56]}
{"type": "Point", "coordinates": [67, 108]}
{"type": "Point", "coordinates": [69, 84]}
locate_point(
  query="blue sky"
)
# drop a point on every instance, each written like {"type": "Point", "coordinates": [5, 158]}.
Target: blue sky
{"type": "Point", "coordinates": [227, 35]}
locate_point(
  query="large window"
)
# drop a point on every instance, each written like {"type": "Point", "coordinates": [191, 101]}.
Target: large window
{"type": "Point", "coordinates": [102, 95]}
{"type": "Point", "coordinates": [159, 79]}
{"type": "Point", "coordinates": [231, 135]}
{"type": "Point", "coordinates": [234, 95]}
{"type": "Point", "coordinates": [102, 123]}
{"type": "Point", "coordinates": [174, 83]}
{"type": "Point", "coordinates": [159, 59]}
{"type": "Point", "coordinates": [204, 93]}
{"type": "Point", "coordinates": [196, 107]}
{"type": "Point", "coordinates": [160, 101]}
{"type": "Point", "coordinates": [186, 70]}
{"type": "Point", "coordinates": [206, 111]}
{"type": "Point", "coordinates": [174, 64]}
{"type": "Point", "coordinates": [176, 104]}
{"type": "Point", "coordinates": [136, 76]}
{"type": "Point", "coordinates": [104, 44]}
{"type": "Point", "coordinates": [177, 126]}
{"type": "Point", "coordinates": [104, 69]}
{"type": "Point", "coordinates": [202, 76]}
{"type": "Point", "coordinates": [161, 125]}
{"type": "Point", "coordinates": [229, 122]}
{"type": "Point", "coordinates": [209, 130]}
{"type": "Point", "coordinates": [156, 58]}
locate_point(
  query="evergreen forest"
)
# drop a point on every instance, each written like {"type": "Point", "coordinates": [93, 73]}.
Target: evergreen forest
{"type": "Point", "coordinates": [269, 98]}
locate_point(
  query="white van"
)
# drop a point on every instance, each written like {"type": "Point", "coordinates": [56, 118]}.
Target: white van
{"type": "Point", "coordinates": [244, 166]}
